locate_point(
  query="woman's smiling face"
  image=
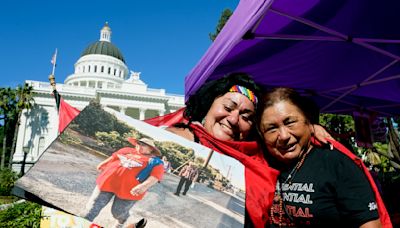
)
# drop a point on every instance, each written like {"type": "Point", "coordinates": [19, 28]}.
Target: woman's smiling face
{"type": "Point", "coordinates": [230, 117]}
{"type": "Point", "coordinates": [285, 130]}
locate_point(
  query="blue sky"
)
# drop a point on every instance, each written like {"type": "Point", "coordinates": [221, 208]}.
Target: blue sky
{"type": "Point", "coordinates": [162, 39]}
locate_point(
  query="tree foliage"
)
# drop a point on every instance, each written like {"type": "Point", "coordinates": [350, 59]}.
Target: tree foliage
{"type": "Point", "coordinates": [26, 214]}
{"type": "Point", "coordinates": [341, 127]}
{"type": "Point", "coordinates": [94, 119]}
{"type": "Point", "coordinates": [7, 180]}
{"type": "Point", "coordinates": [12, 104]}
{"type": "Point", "coordinates": [176, 154]}
{"type": "Point", "coordinates": [225, 15]}
{"type": "Point", "coordinates": [115, 140]}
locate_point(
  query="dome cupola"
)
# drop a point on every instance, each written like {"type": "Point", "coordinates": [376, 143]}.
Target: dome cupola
{"type": "Point", "coordinates": [104, 45]}
{"type": "Point", "coordinates": [101, 65]}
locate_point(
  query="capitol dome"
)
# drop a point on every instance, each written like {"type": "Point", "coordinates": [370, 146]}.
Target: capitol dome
{"type": "Point", "coordinates": [103, 48]}
{"type": "Point", "coordinates": [101, 65]}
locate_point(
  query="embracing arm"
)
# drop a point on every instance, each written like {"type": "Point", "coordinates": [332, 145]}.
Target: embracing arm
{"type": "Point", "coordinates": [372, 224]}
{"type": "Point", "coordinates": [320, 133]}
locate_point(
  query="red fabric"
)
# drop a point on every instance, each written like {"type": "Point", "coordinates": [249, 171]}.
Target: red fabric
{"type": "Point", "coordinates": [383, 214]}
{"type": "Point", "coordinates": [66, 114]}
{"type": "Point", "coordinates": [260, 179]}
{"type": "Point", "coordinates": [167, 120]}
{"type": "Point", "coordinates": [118, 175]}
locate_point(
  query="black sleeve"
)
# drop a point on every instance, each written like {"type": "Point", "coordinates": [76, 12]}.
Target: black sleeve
{"type": "Point", "coordinates": [355, 197]}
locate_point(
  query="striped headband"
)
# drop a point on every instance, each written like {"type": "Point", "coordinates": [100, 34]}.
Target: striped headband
{"type": "Point", "coordinates": [245, 91]}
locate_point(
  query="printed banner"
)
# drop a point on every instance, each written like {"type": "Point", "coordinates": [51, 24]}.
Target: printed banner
{"type": "Point", "coordinates": [112, 169]}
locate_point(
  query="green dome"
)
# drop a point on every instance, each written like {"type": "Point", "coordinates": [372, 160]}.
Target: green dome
{"type": "Point", "coordinates": [104, 48]}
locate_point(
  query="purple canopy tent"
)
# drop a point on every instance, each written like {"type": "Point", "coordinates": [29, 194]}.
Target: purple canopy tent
{"type": "Point", "coordinates": [344, 53]}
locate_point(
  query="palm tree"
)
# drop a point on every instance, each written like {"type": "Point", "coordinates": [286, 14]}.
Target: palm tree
{"type": "Point", "coordinates": [23, 100]}
{"type": "Point", "coordinates": [6, 97]}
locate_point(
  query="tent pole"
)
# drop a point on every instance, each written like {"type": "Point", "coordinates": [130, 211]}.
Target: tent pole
{"type": "Point", "coordinates": [379, 50]}
{"type": "Point", "coordinates": [335, 33]}
{"type": "Point", "coordinates": [338, 98]}
{"type": "Point", "coordinates": [297, 37]}
{"type": "Point", "coordinates": [383, 41]}
{"type": "Point", "coordinates": [311, 24]}
{"type": "Point", "coordinates": [380, 80]}
{"type": "Point", "coordinates": [369, 78]}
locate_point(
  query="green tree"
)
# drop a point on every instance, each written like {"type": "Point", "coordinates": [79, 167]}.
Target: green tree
{"type": "Point", "coordinates": [176, 154]}
{"type": "Point", "coordinates": [23, 100]}
{"type": "Point", "coordinates": [341, 127]}
{"type": "Point", "coordinates": [12, 103]}
{"type": "Point", "coordinates": [26, 214]}
{"type": "Point", "coordinates": [7, 180]}
{"type": "Point", "coordinates": [225, 15]}
{"type": "Point", "coordinates": [6, 96]}
{"type": "Point", "coordinates": [94, 119]}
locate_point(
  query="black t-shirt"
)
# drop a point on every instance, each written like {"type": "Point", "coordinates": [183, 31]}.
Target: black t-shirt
{"type": "Point", "coordinates": [328, 190]}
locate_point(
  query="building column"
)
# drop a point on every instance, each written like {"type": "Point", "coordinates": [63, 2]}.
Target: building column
{"type": "Point", "coordinates": [122, 109]}
{"type": "Point", "coordinates": [142, 113]}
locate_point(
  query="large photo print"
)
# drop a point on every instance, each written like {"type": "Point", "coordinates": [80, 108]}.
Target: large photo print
{"type": "Point", "coordinates": [112, 169]}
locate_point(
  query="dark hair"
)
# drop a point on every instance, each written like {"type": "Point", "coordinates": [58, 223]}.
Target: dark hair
{"type": "Point", "coordinates": [305, 104]}
{"type": "Point", "coordinates": [199, 103]}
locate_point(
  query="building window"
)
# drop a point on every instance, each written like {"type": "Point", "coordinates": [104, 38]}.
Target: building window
{"type": "Point", "coordinates": [99, 85]}
{"type": "Point", "coordinates": [95, 68]}
{"type": "Point", "coordinates": [83, 69]}
{"type": "Point", "coordinates": [89, 68]}
{"type": "Point", "coordinates": [92, 84]}
{"type": "Point", "coordinates": [115, 72]}
{"type": "Point", "coordinates": [109, 70]}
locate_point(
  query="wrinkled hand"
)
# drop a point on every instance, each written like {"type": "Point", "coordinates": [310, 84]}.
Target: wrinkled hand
{"type": "Point", "coordinates": [322, 135]}
{"type": "Point", "coordinates": [138, 189]}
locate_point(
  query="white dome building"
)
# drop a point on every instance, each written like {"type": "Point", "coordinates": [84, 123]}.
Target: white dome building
{"type": "Point", "coordinates": [100, 73]}
{"type": "Point", "coordinates": [101, 65]}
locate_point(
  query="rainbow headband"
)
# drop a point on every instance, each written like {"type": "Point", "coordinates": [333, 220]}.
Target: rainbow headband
{"type": "Point", "coordinates": [245, 91]}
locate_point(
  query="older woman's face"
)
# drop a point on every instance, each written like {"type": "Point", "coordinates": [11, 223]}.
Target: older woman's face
{"type": "Point", "coordinates": [144, 149]}
{"type": "Point", "coordinates": [285, 131]}
{"type": "Point", "coordinates": [230, 117]}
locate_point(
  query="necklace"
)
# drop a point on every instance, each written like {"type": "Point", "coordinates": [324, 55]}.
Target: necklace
{"type": "Point", "coordinates": [278, 198]}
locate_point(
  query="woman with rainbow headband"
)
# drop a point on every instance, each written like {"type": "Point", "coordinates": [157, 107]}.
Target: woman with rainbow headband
{"type": "Point", "coordinates": [220, 115]}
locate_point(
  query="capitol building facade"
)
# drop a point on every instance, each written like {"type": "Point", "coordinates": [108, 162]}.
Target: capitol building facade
{"type": "Point", "coordinates": [100, 73]}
